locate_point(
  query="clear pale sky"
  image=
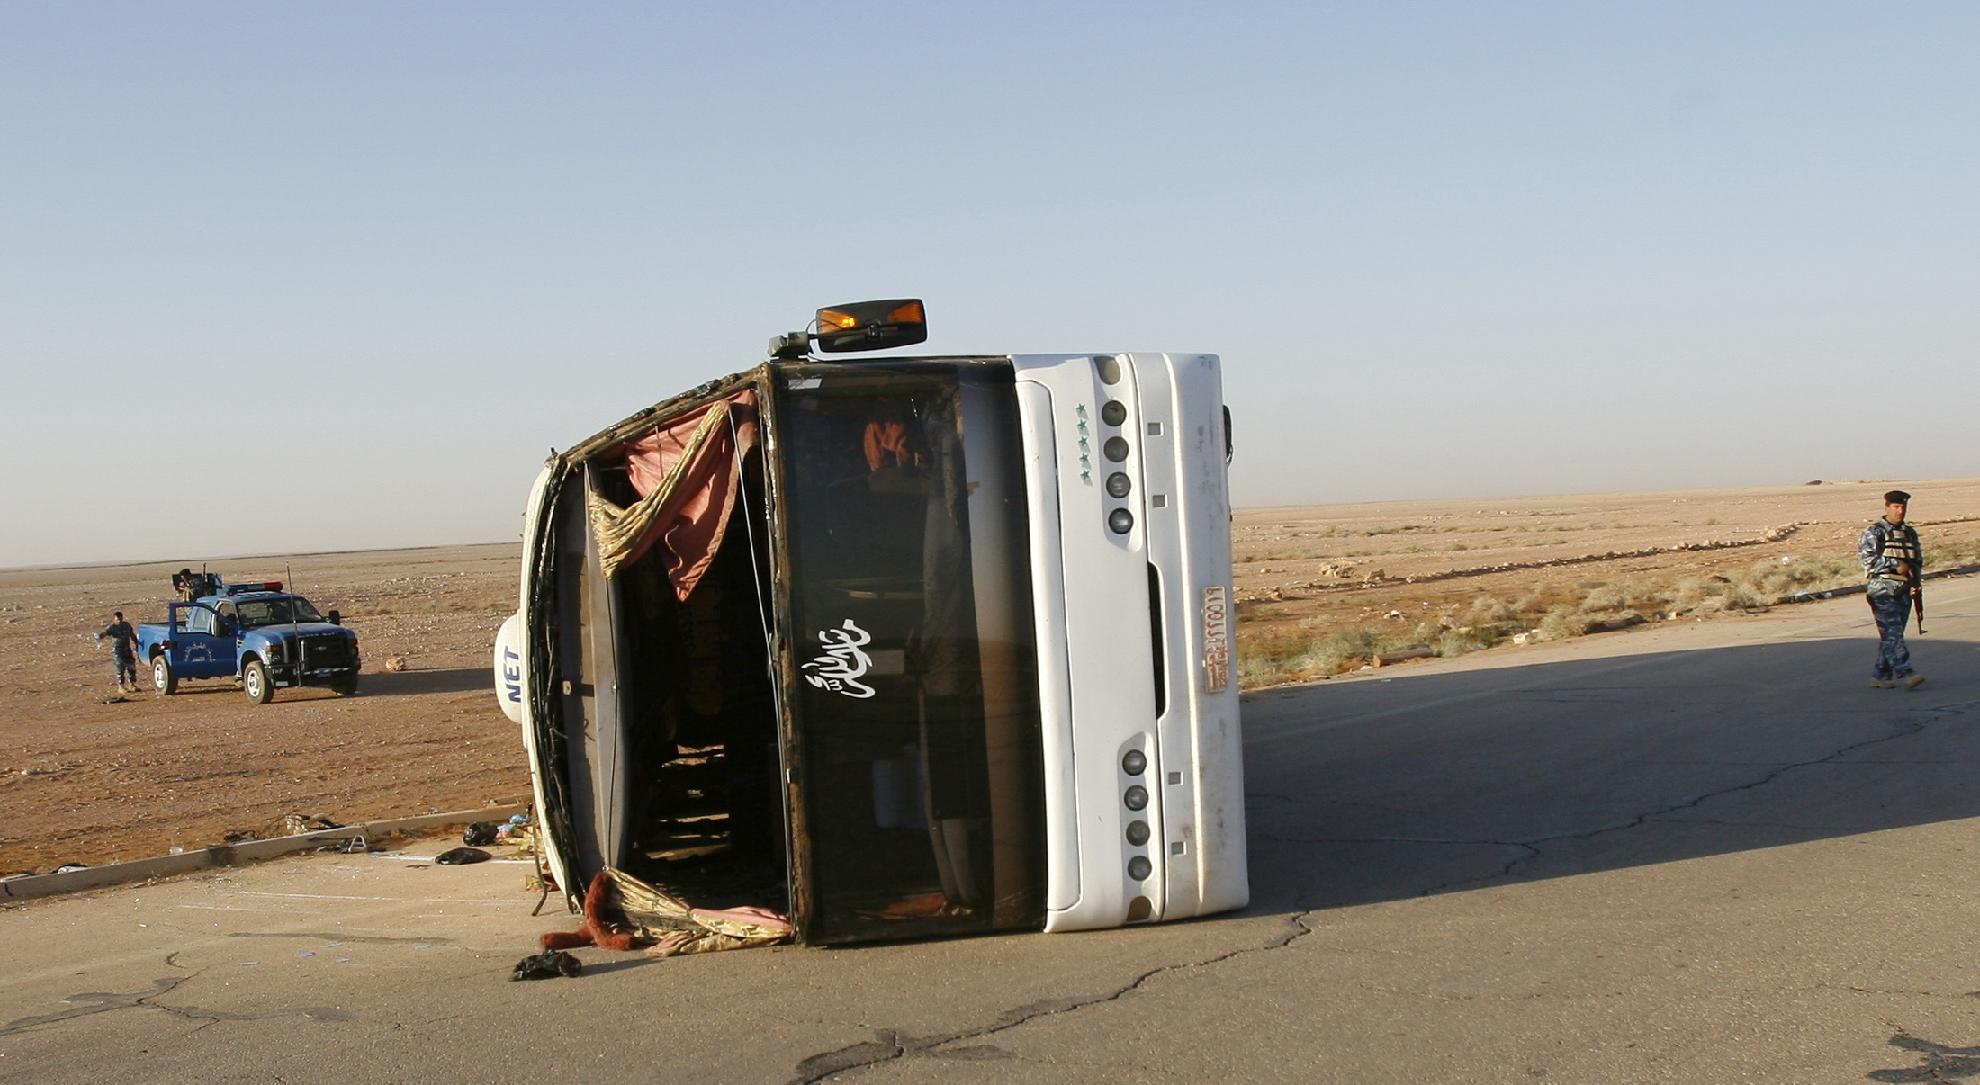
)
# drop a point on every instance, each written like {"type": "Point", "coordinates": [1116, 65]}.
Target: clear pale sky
{"type": "Point", "coordinates": [296, 277]}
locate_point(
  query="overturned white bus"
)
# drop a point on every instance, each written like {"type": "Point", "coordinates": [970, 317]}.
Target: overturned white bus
{"type": "Point", "coordinates": [894, 647]}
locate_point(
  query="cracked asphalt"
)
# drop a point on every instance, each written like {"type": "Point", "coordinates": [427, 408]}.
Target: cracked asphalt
{"type": "Point", "coordinates": [1690, 853]}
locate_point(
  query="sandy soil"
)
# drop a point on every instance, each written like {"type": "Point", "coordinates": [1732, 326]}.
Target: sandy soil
{"type": "Point", "coordinates": [89, 782]}
{"type": "Point", "coordinates": [84, 781]}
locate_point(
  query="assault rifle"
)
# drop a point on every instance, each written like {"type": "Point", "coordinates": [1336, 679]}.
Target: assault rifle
{"type": "Point", "coordinates": [1918, 595]}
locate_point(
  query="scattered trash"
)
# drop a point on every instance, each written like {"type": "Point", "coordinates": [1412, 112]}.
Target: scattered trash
{"type": "Point", "coordinates": [355, 845]}
{"type": "Point", "coordinates": [396, 664]}
{"type": "Point", "coordinates": [480, 834]}
{"type": "Point", "coordinates": [462, 857]}
{"type": "Point", "coordinates": [240, 836]}
{"type": "Point", "coordinates": [298, 824]}
{"type": "Point", "coordinates": [547, 966]}
{"type": "Point", "coordinates": [640, 913]}
{"type": "Point", "coordinates": [71, 868]}
{"type": "Point", "coordinates": [518, 833]}
{"type": "Point", "coordinates": [596, 930]}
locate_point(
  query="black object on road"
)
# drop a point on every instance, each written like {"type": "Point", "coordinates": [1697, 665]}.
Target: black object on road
{"type": "Point", "coordinates": [461, 857]}
{"type": "Point", "coordinates": [479, 834]}
{"type": "Point", "coordinates": [547, 966]}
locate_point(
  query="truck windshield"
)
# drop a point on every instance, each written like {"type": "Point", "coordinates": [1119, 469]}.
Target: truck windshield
{"type": "Point", "coordinates": [293, 608]}
{"type": "Point", "coordinates": [918, 707]}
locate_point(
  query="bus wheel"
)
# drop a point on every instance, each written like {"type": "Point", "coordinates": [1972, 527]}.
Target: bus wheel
{"type": "Point", "coordinates": [162, 678]}
{"type": "Point", "coordinates": [255, 683]}
{"type": "Point", "coordinates": [345, 686]}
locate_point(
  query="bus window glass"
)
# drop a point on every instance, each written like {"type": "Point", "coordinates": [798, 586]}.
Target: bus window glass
{"type": "Point", "coordinates": [918, 692]}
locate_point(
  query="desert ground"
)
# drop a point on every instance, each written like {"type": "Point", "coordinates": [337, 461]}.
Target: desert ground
{"type": "Point", "coordinates": [87, 782]}
{"type": "Point", "coordinates": [1322, 590]}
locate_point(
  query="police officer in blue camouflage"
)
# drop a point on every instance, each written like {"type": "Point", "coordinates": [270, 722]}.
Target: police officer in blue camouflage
{"type": "Point", "coordinates": [123, 650]}
{"type": "Point", "coordinates": [1891, 555]}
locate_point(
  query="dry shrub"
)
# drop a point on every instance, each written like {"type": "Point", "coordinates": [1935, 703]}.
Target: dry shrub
{"type": "Point", "coordinates": [1741, 597]}
{"type": "Point", "coordinates": [1606, 599]}
{"type": "Point", "coordinates": [1562, 622]}
{"type": "Point", "coordinates": [1343, 648]}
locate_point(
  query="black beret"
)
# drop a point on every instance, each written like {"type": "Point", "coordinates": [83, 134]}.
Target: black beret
{"type": "Point", "coordinates": [1897, 497]}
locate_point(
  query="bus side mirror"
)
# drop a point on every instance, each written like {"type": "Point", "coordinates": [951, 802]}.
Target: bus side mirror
{"type": "Point", "coordinates": [871, 325]}
{"type": "Point", "coordinates": [335, 618]}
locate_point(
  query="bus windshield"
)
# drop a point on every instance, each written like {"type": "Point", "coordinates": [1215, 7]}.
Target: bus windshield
{"type": "Point", "coordinates": [918, 707]}
{"type": "Point", "coordinates": [282, 611]}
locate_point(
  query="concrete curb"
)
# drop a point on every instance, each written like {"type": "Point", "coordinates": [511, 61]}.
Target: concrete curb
{"type": "Point", "coordinates": [1859, 589]}
{"type": "Point", "coordinates": [224, 855]}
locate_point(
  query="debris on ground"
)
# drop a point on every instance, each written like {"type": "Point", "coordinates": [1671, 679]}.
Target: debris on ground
{"type": "Point", "coordinates": [547, 966]}
{"type": "Point", "coordinates": [479, 834]}
{"type": "Point", "coordinates": [240, 836]}
{"type": "Point", "coordinates": [669, 926]}
{"type": "Point", "coordinates": [518, 833]}
{"type": "Point", "coordinates": [298, 824]}
{"type": "Point", "coordinates": [396, 664]}
{"type": "Point", "coordinates": [462, 857]}
{"type": "Point", "coordinates": [596, 930]}
{"type": "Point", "coordinates": [71, 868]}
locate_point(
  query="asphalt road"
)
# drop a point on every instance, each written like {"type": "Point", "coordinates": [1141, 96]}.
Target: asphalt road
{"type": "Point", "coordinates": [1693, 853]}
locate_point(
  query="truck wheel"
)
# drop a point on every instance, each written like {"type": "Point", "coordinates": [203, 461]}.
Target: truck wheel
{"type": "Point", "coordinates": [345, 686]}
{"type": "Point", "coordinates": [255, 683]}
{"type": "Point", "coordinates": [162, 678]}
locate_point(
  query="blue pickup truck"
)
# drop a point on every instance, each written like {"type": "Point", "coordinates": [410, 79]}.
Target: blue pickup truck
{"type": "Point", "coordinates": [258, 633]}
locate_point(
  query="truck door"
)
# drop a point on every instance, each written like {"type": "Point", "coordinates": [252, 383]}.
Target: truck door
{"type": "Point", "coordinates": [197, 650]}
{"type": "Point", "coordinates": [228, 634]}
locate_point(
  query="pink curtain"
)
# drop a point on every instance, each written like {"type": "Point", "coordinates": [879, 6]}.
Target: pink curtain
{"type": "Point", "coordinates": [690, 523]}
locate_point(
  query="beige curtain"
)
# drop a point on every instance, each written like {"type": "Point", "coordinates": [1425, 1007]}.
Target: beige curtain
{"type": "Point", "coordinates": [678, 928]}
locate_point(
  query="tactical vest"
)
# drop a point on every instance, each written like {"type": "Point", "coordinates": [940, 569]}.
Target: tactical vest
{"type": "Point", "coordinates": [1900, 544]}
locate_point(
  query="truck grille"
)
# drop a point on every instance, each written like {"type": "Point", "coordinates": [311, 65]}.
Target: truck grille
{"type": "Point", "coordinates": [326, 651]}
